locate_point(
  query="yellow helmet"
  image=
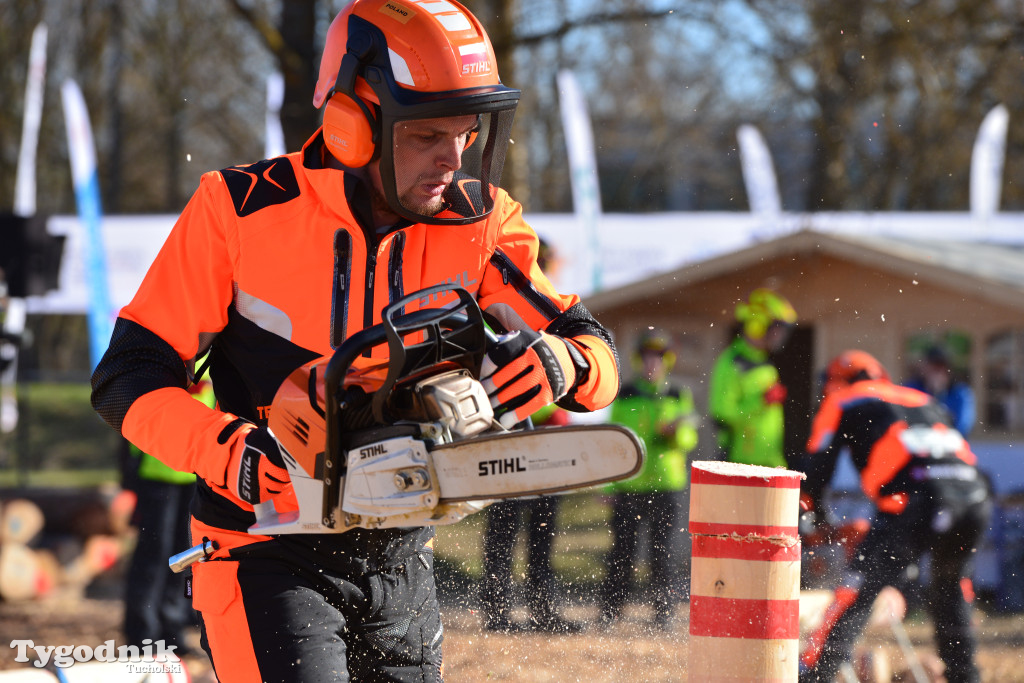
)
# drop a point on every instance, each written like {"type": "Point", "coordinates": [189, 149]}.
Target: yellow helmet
{"type": "Point", "coordinates": [657, 342]}
{"type": "Point", "coordinates": [764, 308]}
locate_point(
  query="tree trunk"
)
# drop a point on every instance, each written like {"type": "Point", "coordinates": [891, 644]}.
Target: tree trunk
{"type": "Point", "coordinates": [299, 65]}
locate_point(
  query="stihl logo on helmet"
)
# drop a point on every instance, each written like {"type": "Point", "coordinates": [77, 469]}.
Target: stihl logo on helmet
{"type": "Point", "coordinates": [474, 59]}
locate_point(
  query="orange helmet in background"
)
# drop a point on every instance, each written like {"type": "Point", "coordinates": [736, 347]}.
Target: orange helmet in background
{"type": "Point", "coordinates": [388, 61]}
{"type": "Point", "coordinates": [852, 366]}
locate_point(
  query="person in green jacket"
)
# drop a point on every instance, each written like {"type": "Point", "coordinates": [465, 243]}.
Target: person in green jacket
{"type": "Point", "coordinates": [745, 395]}
{"type": "Point", "coordinates": [663, 416]}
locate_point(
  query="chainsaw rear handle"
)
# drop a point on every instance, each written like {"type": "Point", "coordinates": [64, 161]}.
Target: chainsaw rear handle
{"type": "Point", "coordinates": [455, 334]}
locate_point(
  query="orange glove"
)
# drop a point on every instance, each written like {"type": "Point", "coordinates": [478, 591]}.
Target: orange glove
{"type": "Point", "coordinates": [256, 470]}
{"type": "Point", "coordinates": [526, 371]}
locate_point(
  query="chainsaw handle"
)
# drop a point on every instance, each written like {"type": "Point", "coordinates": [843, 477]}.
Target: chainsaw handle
{"type": "Point", "coordinates": [454, 333]}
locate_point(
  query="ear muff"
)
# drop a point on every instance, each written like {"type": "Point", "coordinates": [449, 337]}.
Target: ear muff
{"type": "Point", "coordinates": [348, 131]}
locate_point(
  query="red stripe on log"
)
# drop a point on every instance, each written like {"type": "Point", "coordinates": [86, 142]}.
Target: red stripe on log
{"type": "Point", "coordinates": [762, 550]}
{"type": "Point", "coordinates": [750, 619]}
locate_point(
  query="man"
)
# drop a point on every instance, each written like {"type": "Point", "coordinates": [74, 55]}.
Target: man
{"type": "Point", "coordinates": [745, 395]}
{"type": "Point", "coordinates": [936, 378]}
{"type": "Point", "coordinates": [275, 264]}
{"type": "Point", "coordinates": [921, 476]}
{"type": "Point", "coordinates": [663, 416]}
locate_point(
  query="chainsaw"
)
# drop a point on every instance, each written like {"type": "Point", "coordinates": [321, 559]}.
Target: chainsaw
{"type": "Point", "coordinates": [413, 440]}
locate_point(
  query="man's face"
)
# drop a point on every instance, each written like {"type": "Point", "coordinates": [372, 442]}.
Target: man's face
{"type": "Point", "coordinates": [427, 154]}
{"type": "Point", "coordinates": [654, 365]}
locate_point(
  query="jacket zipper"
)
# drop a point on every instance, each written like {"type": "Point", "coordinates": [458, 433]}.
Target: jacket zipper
{"type": "Point", "coordinates": [339, 297]}
{"type": "Point", "coordinates": [396, 290]}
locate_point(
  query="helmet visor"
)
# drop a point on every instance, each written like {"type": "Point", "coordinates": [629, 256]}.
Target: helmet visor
{"type": "Point", "coordinates": [445, 169]}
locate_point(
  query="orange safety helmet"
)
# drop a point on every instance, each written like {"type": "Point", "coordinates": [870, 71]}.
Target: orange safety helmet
{"type": "Point", "coordinates": [388, 61]}
{"type": "Point", "coordinates": [852, 366]}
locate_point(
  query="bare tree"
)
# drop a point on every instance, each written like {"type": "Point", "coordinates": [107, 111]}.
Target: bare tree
{"type": "Point", "coordinates": [890, 93]}
{"type": "Point", "coordinates": [292, 41]}
{"type": "Point", "coordinates": [866, 105]}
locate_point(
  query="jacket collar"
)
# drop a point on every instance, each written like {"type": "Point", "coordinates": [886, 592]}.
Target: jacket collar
{"type": "Point", "coordinates": [342, 191]}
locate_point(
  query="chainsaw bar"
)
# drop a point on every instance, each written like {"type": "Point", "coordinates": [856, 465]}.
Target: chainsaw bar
{"type": "Point", "coordinates": [533, 462]}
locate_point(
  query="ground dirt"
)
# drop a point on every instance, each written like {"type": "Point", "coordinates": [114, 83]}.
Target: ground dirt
{"type": "Point", "coordinates": [630, 650]}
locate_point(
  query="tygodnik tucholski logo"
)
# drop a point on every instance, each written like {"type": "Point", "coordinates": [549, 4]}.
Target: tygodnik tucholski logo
{"type": "Point", "coordinates": [152, 657]}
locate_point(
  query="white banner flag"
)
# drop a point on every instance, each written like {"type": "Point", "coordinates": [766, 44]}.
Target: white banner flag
{"type": "Point", "coordinates": [586, 192]}
{"type": "Point", "coordinates": [987, 163]}
{"type": "Point", "coordinates": [24, 205]}
{"type": "Point", "coordinates": [759, 176]}
{"type": "Point", "coordinates": [274, 144]}
{"type": "Point", "coordinates": [25, 181]}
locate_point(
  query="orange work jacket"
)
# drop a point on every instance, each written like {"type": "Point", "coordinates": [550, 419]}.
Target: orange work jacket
{"type": "Point", "coordinates": [275, 264]}
{"type": "Point", "coordinates": [896, 435]}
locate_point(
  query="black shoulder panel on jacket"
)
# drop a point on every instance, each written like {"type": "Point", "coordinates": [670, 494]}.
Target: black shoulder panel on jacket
{"type": "Point", "coordinates": [259, 185]}
{"type": "Point", "coordinates": [136, 363]}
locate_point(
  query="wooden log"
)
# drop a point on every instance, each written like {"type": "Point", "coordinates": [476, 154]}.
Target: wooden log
{"type": "Point", "coordinates": [745, 573]}
{"type": "Point", "coordinates": [21, 521]}
{"type": "Point", "coordinates": [24, 573]}
{"type": "Point", "coordinates": [80, 512]}
{"type": "Point", "coordinates": [99, 553]}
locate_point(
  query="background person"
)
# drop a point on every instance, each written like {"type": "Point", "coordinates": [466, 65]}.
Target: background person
{"type": "Point", "coordinates": [920, 474]}
{"type": "Point", "coordinates": [537, 516]}
{"type": "Point", "coordinates": [745, 395]}
{"type": "Point", "coordinates": [663, 416]}
{"type": "Point", "coordinates": [935, 377]}
{"type": "Point", "coordinates": [275, 264]}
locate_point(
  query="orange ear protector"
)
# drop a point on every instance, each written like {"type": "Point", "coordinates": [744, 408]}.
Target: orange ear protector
{"type": "Point", "coordinates": [348, 133]}
{"type": "Point", "coordinates": [350, 130]}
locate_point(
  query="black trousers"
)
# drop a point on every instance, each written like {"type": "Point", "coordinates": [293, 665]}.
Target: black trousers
{"type": "Point", "coordinates": [155, 604]}
{"type": "Point", "coordinates": [658, 513]}
{"type": "Point", "coordinates": [947, 519]}
{"type": "Point", "coordinates": [276, 616]}
{"type": "Point", "coordinates": [504, 520]}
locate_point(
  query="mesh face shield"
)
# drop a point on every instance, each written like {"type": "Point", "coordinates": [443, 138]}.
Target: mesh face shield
{"type": "Point", "coordinates": [444, 169]}
{"type": "Point", "coordinates": [440, 151]}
